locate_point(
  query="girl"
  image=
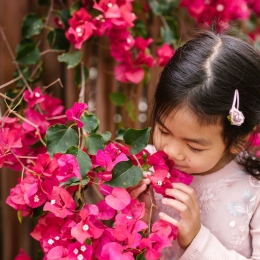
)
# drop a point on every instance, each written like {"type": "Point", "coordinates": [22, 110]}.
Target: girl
{"type": "Point", "coordinates": [206, 106]}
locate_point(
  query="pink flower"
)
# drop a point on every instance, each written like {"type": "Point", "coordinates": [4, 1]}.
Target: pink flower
{"type": "Point", "coordinates": [164, 53]}
{"type": "Point", "coordinates": [164, 228]}
{"type": "Point", "coordinates": [153, 245]}
{"type": "Point", "coordinates": [69, 168]}
{"type": "Point", "coordinates": [141, 43]}
{"type": "Point", "coordinates": [81, 28]}
{"type": "Point", "coordinates": [22, 256]}
{"type": "Point", "coordinates": [80, 251]}
{"type": "Point", "coordinates": [113, 250]}
{"type": "Point", "coordinates": [61, 204]}
{"type": "Point", "coordinates": [75, 112]}
{"type": "Point", "coordinates": [87, 227]}
{"type": "Point", "coordinates": [57, 253]}
{"type": "Point", "coordinates": [118, 199]}
{"type": "Point", "coordinates": [35, 97]}
{"type": "Point", "coordinates": [160, 181]}
{"type": "Point", "coordinates": [105, 211]}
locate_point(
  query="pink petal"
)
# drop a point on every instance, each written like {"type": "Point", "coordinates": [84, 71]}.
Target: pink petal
{"type": "Point", "coordinates": [119, 199]}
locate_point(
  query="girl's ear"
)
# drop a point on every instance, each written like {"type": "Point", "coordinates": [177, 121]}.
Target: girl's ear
{"type": "Point", "coordinates": [235, 149]}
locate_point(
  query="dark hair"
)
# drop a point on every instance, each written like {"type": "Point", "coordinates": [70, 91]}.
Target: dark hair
{"type": "Point", "coordinates": [204, 74]}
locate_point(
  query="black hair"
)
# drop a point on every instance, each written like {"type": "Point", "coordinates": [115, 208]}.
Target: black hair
{"type": "Point", "coordinates": [204, 74]}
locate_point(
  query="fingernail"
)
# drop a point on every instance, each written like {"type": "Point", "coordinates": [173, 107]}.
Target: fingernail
{"type": "Point", "coordinates": [161, 214]}
{"type": "Point", "coordinates": [147, 181]}
{"type": "Point", "coordinates": [164, 201]}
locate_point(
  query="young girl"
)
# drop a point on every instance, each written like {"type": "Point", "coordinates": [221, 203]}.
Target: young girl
{"type": "Point", "coordinates": [206, 106]}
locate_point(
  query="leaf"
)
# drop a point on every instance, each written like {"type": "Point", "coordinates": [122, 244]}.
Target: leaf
{"type": "Point", "coordinates": [59, 138]}
{"type": "Point", "coordinates": [120, 133]}
{"type": "Point", "coordinates": [26, 74]}
{"type": "Point", "coordinates": [32, 25]}
{"type": "Point", "coordinates": [57, 40]}
{"type": "Point", "coordinates": [106, 136]}
{"type": "Point", "coordinates": [20, 217]}
{"type": "Point", "coordinates": [137, 139]}
{"type": "Point", "coordinates": [78, 78]}
{"type": "Point", "coordinates": [64, 16]}
{"type": "Point", "coordinates": [141, 256]}
{"type": "Point", "coordinates": [27, 52]}
{"type": "Point", "coordinates": [91, 122]}
{"type": "Point", "coordinates": [167, 35]}
{"type": "Point", "coordinates": [71, 59]}
{"type": "Point", "coordinates": [93, 143]}
{"type": "Point", "coordinates": [141, 28]}
{"type": "Point", "coordinates": [130, 108]}
{"type": "Point", "coordinates": [118, 98]}
{"type": "Point", "coordinates": [125, 175]}
{"type": "Point", "coordinates": [82, 158]}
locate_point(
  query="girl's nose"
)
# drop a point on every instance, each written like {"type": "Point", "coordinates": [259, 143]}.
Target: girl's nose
{"type": "Point", "coordinates": [174, 152]}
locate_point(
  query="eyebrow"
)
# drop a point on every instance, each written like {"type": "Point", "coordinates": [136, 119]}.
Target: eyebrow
{"type": "Point", "coordinates": [201, 141]}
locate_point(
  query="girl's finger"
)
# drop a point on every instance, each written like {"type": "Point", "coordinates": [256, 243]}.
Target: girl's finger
{"type": "Point", "coordinates": [137, 191]}
{"type": "Point", "coordinates": [166, 217]}
{"type": "Point", "coordinates": [184, 210]}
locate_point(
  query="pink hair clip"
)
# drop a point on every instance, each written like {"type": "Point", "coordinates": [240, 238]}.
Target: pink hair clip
{"type": "Point", "coordinates": [236, 117]}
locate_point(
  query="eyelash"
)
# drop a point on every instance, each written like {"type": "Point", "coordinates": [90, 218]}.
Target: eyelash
{"type": "Point", "coordinates": [190, 147]}
{"type": "Point", "coordinates": [194, 149]}
{"type": "Point", "coordinates": [163, 132]}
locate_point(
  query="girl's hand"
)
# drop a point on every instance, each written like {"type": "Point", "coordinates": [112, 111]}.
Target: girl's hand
{"type": "Point", "coordinates": [143, 192]}
{"type": "Point", "coordinates": [187, 204]}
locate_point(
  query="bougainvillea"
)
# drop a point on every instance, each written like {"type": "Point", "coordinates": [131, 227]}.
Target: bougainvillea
{"type": "Point", "coordinates": [59, 162]}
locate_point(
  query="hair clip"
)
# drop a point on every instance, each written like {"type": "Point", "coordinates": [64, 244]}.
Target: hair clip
{"type": "Point", "coordinates": [236, 117]}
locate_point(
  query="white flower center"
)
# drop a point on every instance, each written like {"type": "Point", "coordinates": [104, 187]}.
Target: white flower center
{"type": "Point", "coordinates": [109, 5]}
{"type": "Point", "coordinates": [220, 7]}
{"type": "Point", "coordinates": [80, 257]}
{"type": "Point", "coordinates": [53, 202]}
{"type": "Point", "coordinates": [85, 227]}
{"type": "Point", "coordinates": [159, 183]}
{"type": "Point", "coordinates": [168, 175]}
{"type": "Point", "coordinates": [83, 248]}
{"type": "Point", "coordinates": [50, 241]}
{"type": "Point", "coordinates": [36, 198]}
{"type": "Point", "coordinates": [129, 217]}
{"type": "Point", "coordinates": [57, 238]}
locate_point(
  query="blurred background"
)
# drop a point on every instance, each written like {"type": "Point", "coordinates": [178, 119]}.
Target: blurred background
{"type": "Point", "coordinates": [167, 23]}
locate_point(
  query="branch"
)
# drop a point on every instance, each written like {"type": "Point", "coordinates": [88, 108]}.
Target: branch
{"type": "Point", "coordinates": [82, 91]}
{"type": "Point", "coordinates": [10, 82]}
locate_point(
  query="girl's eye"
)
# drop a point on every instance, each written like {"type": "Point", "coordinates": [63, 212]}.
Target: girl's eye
{"type": "Point", "coordinates": [194, 149]}
{"type": "Point", "coordinates": [163, 132]}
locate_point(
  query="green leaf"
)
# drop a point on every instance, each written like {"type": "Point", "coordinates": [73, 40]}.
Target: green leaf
{"type": "Point", "coordinates": [141, 28]}
{"type": "Point", "coordinates": [91, 122]}
{"type": "Point", "coordinates": [93, 143]}
{"type": "Point", "coordinates": [26, 74]}
{"type": "Point", "coordinates": [75, 6]}
{"type": "Point", "coordinates": [59, 138]}
{"type": "Point", "coordinates": [71, 59]}
{"type": "Point", "coordinates": [57, 40]}
{"type": "Point", "coordinates": [106, 136]}
{"type": "Point", "coordinates": [125, 175]}
{"type": "Point", "coordinates": [78, 78]}
{"type": "Point", "coordinates": [137, 139]}
{"type": "Point", "coordinates": [32, 25]}
{"type": "Point", "coordinates": [120, 133]}
{"type": "Point", "coordinates": [118, 98]}
{"type": "Point", "coordinates": [141, 256]}
{"type": "Point", "coordinates": [130, 108]}
{"type": "Point", "coordinates": [155, 7]}
{"type": "Point", "coordinates": [167, 35]}
{"type": "Point", "coordinates": [82, 158]}
{"type": "Point", "coordinates": [27, 52]}
{"type": "Point", "coordinates": [64, 16]}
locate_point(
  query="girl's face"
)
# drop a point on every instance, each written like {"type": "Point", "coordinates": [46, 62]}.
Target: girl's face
{"type": "Point", "coordinates": [195, 149]}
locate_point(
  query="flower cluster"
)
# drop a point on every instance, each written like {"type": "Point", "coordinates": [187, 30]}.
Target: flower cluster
{"type": "Point", "coordinates": [54, 184]}
{"type": "Point", "coordinates": [115, 19]}
{"type": "Point", "coordinates": [223, 11]}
